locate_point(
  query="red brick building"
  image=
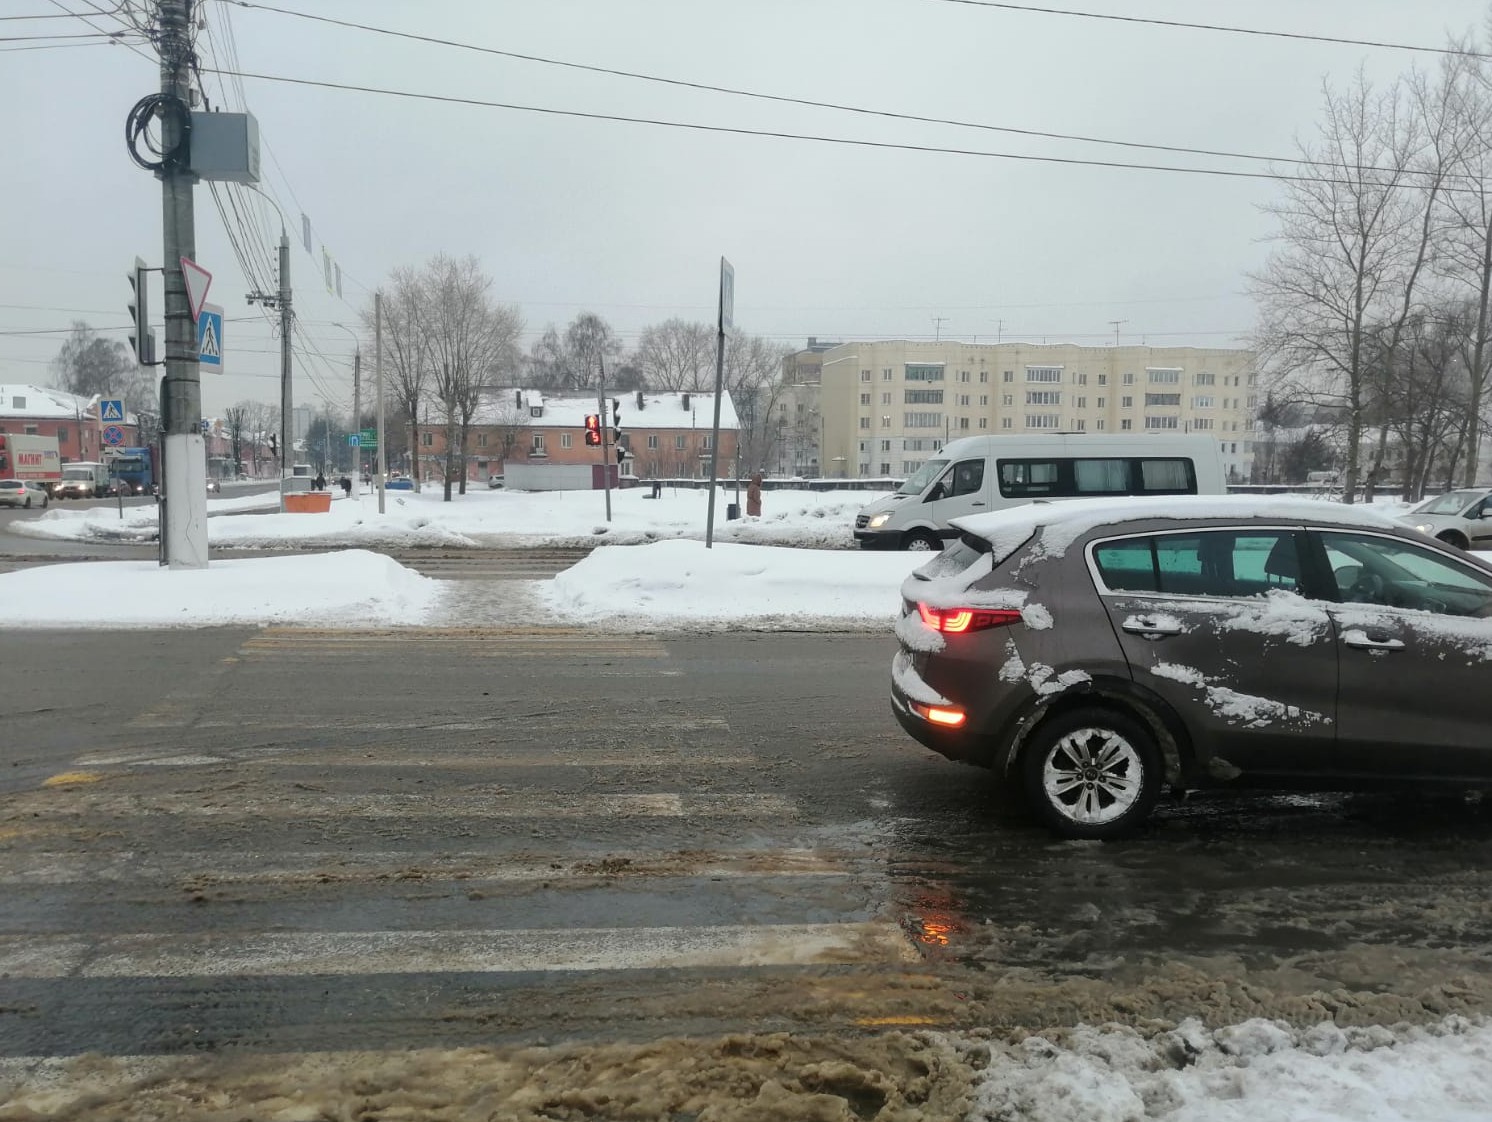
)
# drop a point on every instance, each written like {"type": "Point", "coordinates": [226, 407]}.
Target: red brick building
{"type": "Point", "coordinates": [43, 411]}
{"type": "Point", "coordinates": [664, 435]}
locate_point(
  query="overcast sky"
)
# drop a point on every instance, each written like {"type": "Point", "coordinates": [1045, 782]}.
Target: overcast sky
{"type": "Point", "coordinates": [630, 220]}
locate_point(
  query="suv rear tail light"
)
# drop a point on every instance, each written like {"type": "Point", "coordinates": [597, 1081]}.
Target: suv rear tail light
{"type": "Point", "coordinates": [956, 621]}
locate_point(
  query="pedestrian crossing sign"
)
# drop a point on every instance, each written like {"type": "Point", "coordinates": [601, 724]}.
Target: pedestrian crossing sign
{"type": "Point", "coordinates": [111, 409]}
{"type": "Point", "coordinates": [210, 337]}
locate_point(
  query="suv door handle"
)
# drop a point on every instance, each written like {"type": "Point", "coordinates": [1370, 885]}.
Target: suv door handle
{"type": "Point", "coordinates": [976, 504]}
{"type": "Point", "coordinates": [1143, 626]}
{"type": "Point", "coordinates": [1362, 641]}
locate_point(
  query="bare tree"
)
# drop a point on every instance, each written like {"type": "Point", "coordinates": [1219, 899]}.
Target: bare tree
{"type": "Point", "coordinates": [588, 340]}
{"type": "Point", "coordinates": [87, 364]}
{"type": "Point", "coordinates": [1355, 233]}
{"type": "Point", "coordinates": [753, 378]}
{"type": "Point", "coordinates": [236, 419]}
{"type": "Point", "coordinates": [406, 354]}
{"type": "Point", "coordinates": [677, 355]}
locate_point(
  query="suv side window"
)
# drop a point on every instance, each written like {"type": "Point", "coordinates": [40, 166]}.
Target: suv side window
{"type": "Point", "coordinates": [1373, 570]}
{"type": "Point", "coordinates": [1231, 563]}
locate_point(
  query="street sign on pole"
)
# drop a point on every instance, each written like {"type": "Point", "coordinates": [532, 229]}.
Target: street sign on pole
{"type": "Point", "coordinates": [353, 439]}
{"type": "Point", "coordinates": [727, 296]}
{"type": "Point", "coordinates": [111, 409]}
{"type": "Point", "coordinates": [368, 438]}
{"type": "Point", "coordinates": [113, 434]}
{"type": "Point", "coordinates": [727, 323]}
{"type": "Point", "coordinates": [210, 338]}
{"type": "Point", "coordinates": [198, 281]}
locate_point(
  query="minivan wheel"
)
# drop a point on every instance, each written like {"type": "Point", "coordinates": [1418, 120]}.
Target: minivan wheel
{"type": "Point", "coordinates": [921, 541]}
{"type": "Point", "coordinates": [1450, 537]}
{"type": "Point", "coordinates": [1092, 773]}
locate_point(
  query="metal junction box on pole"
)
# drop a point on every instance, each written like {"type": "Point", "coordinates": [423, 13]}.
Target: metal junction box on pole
{"type": "Point", "coordinates": [225, 147]}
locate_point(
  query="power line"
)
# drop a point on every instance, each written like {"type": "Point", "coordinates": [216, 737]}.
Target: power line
{"type": "Point", "coordinates": [785, 99]}
{"type": "Point", "coordinates": [1340, 40]}
{"type": "Point", "coordinates": [884, 145]}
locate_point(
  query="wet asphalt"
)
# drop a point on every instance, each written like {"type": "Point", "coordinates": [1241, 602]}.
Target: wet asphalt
{"type": "Point", "coordinates": [292, 839]}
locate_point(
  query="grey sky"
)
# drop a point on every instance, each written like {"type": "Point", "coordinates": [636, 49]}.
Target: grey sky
{"type": "Point", "coordinates": [629, 220]}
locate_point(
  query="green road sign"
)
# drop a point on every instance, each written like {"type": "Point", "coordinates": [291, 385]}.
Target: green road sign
{"type": "Point", "coordinates": [368, 438]}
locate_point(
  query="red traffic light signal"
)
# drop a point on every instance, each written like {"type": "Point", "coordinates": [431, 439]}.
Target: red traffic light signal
{"type": "Point", "coordinates": [593, 428]}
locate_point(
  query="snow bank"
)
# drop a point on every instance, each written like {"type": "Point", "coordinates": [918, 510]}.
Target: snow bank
{"type": "Point", "coordinates": [1257, 1071]}
{"type": "Point", "coordinates": [813, 519]}
{"type": "Point", "coordinates": [681, 582]}
{"type": "Point", "coordinates": [350, 587]}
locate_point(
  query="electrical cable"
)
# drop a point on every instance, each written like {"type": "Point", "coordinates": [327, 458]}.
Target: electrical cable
{"type": "Point", "coordinates": [784, 99]}
{"type": "Point", "coordinates": [1226, 173]}
{"type": "Point", "coordinates": [137, 125]}
{"type": "Point", "coordinates": [1340, 40]}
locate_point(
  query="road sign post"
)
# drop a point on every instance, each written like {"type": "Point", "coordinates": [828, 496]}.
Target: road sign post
{"type": "Point", "coordinates": [726, 322]}
{"type": "Point", "coordinates": [111, 411]}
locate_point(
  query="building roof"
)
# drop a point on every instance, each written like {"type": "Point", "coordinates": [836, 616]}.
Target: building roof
{"type": "Point", "coordinates": [659, 410]}
{"type": "Point", "coordinates": [22, 401]}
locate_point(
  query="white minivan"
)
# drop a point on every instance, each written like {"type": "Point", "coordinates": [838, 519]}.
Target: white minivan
{"type": "Point", "coordinates": [982, 473]}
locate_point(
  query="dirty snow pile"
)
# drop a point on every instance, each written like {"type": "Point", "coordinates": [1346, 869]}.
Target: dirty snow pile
{"type": "Point", "coordinates": [814, 519]}
{"type": "Point", "coordinates": [682, 582]}
{"type": "Point", "coordinates": [1256, 1071]}
{"type": "Point", "coordinates": [354, 586]}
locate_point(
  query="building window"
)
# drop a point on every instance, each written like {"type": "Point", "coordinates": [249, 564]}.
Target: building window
{"type": "Point", "coordinates": [1163, 376]}
{"type": "Point", "coordinates": [1129, 379]}
{"type": "Point", "coordinates": [865, 422]}
{"type": "Point", "coordinates": [1004, 422]}
{"type": "Point", "coordinates": [678, 442]}
{"type": "Point", "coordinates": [963, 375]}
{"type": "Point", "coordinates": [1103, 379]}
{"type": "Point", "coordinates": [886, 421]}
{"type": "Point", "coordinates": [1007, 376]}
{"type": "Point", "coordinates": [1082, 424]}
{"type": "Point", "coordinates": [61, 435]}
{"type": "Point", "coordinates": [865, 399]}
{"type": "Point", "coordinates": [538, 445]}
{"type": "Point", "coordinates": [1043, 421]}
{"type": "Point", "coordinates": [1126, 402]}
{"type": "Point", "coordinates": [1125, 425]}
{"type": "Point", "coordinates": [1098, 424]}
{"type": "Point", "coordinates": [1043, 397]}
{"type": "Point", "coordinates": [427, 440]}
{"type": "Point", "coordinates": [32, 430]}
{"type": "Point", "coordinates": [984, 375]}
{"type": "Point", "coordinates": [963, 399]}
{"type": "Point", "coordinates": [963, 422]}
{"type": "Point", "coordinates": [1102, 401]}
{"type": "Point", "coordinates": [921, 420]}
{"type": "Point", "coordinates": [1162, 399]}
{"type": "Point", "coordinates": [885, 399]}
{"type": "Point", "coordinates": [564, 440]}
{"type": "Point", "coordinates": [923, 372]}
{"type": "Point", "coordinates": [865, 375]}
{"type": "Point", "coordinates": [922, 397]}
{"type": "Point", "coordinates": [1161, 423]}
{"type": "Point", "coordinates": [984, 399]}
{"type": "Point", "coordinates": [1043, 374]}
{"type": "Point", "coordinates": [984, 422]}
{"type": "Point", "coordinates": [885, 446]}
{"type": "Point", "coordinates": [886, 375]}
{"type": "Point", "coordinates": [1202, 401]}
{"type": "Point", "coordinates": [704, 442]}
{"type": "Point", "coordinates": [885, 469]}
{"type": "Point", "coordinates": [1082, 403]}
{"type": "Point", "coordinates": [1007, 399]}
{"type": "Point", "coordinates": [536, 411]}
{"type": "Point", "coordinates": [652, 441]}
{"type": "Point", "coordinates": [1202, 378]}
{"type": "Point", "coordinates": [1202, 423]}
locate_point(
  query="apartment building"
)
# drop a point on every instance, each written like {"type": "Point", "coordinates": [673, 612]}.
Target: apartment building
{"type": "Point", "coordinates": [888, 406]}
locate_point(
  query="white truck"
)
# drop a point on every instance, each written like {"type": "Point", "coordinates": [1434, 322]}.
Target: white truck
{"type": "Point", "coordinates": [83, 479]}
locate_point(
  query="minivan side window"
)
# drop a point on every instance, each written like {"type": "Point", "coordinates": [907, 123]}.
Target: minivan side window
{"type": "Point", "coordinates": [1056, 478]}
{"type": "Point", "coordinates": [1028, 477]}
{"type": "Point", "coordinates": [968, 477]}
{"type": "Point", "coordinates": [1101, 477]}
{"type": "Point", "coordinates": [1231, 563]}
{"type": "Point", "coordinates": [1167, 477]}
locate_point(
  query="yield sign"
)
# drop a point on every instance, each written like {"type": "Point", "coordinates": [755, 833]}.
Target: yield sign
{"type": "Point", "coordinates": [198, 280]}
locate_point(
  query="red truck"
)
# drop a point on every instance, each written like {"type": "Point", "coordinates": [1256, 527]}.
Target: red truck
{"type": "Point", "coordinates": [31, 457]}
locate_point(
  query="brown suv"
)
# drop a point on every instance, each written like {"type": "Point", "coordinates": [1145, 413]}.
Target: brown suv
{"type": "Point", "coordinates": [1097, 651]}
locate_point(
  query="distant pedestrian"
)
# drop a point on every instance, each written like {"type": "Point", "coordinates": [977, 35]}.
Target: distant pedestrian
{"type": "Point", "coordinates": [346, 485]}
{"type": "Point", "coordinates": [319, 483]}
{"type": "Point", "coordinates": [754, 496]}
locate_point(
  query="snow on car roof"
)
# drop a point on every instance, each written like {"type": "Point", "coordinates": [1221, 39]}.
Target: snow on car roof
{"type": "Point", "coordinates": [1063, 522]}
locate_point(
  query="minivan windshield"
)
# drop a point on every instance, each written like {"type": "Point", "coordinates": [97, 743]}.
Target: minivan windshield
{"type": "Point", "coordinates": [1452, 502]}
{"type": "Point", "coordinates": [917, 483]}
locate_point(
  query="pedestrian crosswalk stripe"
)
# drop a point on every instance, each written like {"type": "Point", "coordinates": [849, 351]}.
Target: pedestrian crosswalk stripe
{"type": "Point", "coordinates": [306, 806]}
{"type": "Point", "coordinates": [292, 953]}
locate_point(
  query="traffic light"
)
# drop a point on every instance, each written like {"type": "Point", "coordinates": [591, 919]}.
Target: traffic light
{"type": "Point", "coordinates": [593, 428]}
{"type": "Point", "coordinates": [616, 421]}
{"type": "Point", "coordinates": [141, 340]}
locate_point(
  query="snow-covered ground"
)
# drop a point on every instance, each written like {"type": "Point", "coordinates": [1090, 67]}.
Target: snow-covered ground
{"type": "Point", "coordinates": [817, 519]}
{"type": "Point", "coordinates": [1257, 1071]}
{"type": "Point", "coordinates": [352, 587]}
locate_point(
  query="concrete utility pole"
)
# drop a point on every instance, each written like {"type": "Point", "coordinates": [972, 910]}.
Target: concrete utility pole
{"type": "Point", "coordinates": [357, 417]}
{"type": "Point", "coordinates": [378, 375]}
{"type": "Point", "coordinates": [287, 403]}
{"type": "Point", "coordinates": [185, 539]}
{"type": "Point", "coordinates": [605, 440]}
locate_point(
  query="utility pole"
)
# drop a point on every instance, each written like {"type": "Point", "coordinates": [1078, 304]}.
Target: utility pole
{"type": "Point", "coordinates": [1116, 324]}
{"type": "Point", "coordinates": [185, 538]}
{"type": "Point", "coordinates": [357, 417]}
{"type": "Point", "coordinates": [281, 300]}
{"type": "Point", "coordinates": [378, 375]}
{"type": "Point", "coordinates": [938, 322]}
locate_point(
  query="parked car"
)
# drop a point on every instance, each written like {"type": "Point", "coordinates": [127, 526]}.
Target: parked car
{"type": "Point", "coordinates": [214, 487]}
{"type": "Point", "coordinates": [1094, 652]}
{"type": "Point", "coordinates": [495, 482]}
{"type": "Point", "coordinates": [23, 493]}
{"type": "Point", "coordinates": [1460, 518]}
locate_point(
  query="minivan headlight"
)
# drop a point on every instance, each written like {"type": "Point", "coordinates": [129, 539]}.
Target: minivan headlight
{"type": "Point", "coordinates": [879, 520]}
{"type": "Point", "coordinates": [1424, 527]}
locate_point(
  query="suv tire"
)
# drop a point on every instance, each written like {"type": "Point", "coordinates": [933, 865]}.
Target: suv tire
{"type": "Point", "coordinates": [1107, 762]}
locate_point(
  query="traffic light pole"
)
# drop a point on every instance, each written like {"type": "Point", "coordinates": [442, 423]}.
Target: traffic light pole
{"type": "Point", "coordinates": [185, 538]}
{"type": "Point", "coordinates": [605, 452]}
